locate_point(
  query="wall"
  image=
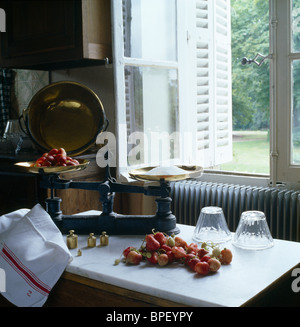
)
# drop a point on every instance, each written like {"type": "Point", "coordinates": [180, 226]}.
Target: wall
{"type": "Point", "coordinates": [26, 84]}
{"type": "Point", "coordinates": [100, 79]}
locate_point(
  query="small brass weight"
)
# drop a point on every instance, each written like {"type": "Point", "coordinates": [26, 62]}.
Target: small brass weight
{"type": "Point", "coordinates": [91, 241]}
{"type": "Point", "coordinates": [72, 240]}
{"type": "Point", "coordinates": [104, 239]}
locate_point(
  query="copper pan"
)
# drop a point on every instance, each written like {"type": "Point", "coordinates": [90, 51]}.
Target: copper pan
{"type": "Point", "coordinates": [65, 115]}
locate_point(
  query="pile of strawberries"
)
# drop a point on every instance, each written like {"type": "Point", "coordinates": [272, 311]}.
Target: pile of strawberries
{"type": "Point", "coordinates": [161, 249]}
{"type": "Point", "coordinates": [54, 158]}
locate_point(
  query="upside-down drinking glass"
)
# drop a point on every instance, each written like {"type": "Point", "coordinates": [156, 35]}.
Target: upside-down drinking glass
{"type": "Point", "coordinates": [211, 226]}
{"type": "Point", "coordinates": [253, 232]}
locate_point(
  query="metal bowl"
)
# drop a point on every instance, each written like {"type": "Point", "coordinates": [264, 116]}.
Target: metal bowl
{"type": "Point", "coordinates": [65, 115]}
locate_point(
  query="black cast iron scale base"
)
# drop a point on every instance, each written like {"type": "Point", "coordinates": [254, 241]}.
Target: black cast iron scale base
{"type": "Point", "coordinates": [108, 220]}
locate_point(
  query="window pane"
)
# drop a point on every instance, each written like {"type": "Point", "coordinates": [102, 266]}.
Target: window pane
{"type": "Point", "coordinates": [250, 88]}
{"type": "Point", "coordinates": [296, 112]}
{"type": "Point", "coordinates": [296, 26]}
{"type": "Point", "coordinates": [152, 113]}
{"type": "Point", "coordinates": [150, 29]}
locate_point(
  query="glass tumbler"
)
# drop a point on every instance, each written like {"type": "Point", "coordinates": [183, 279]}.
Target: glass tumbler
{"type": "Point", "coordinates": [14, 135]}
{"type": "Point", "coordinates": [211, 226]}
{"type": "Point", "coordinates": [253, 232]}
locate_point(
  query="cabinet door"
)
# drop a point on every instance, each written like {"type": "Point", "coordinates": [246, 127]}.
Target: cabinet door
{"type": "Point", "coordinates": [41, 31]}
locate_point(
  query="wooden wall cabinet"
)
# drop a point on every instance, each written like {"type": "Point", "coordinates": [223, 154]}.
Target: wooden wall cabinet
{"type": "Point", "coordinates": [55, 34]}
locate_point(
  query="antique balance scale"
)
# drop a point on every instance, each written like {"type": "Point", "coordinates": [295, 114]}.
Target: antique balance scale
{"type": "Point", "coordinates": [73, 99]}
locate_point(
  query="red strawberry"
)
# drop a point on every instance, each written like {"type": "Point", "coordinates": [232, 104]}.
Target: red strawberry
{"type": "Point", "coordinates": [180, 242]}
{"type": "Point", "coordinates": [166, 248]}
{"type": "Point", "coordinates": [189, 257]}
{"type": "Point", "coordinates": [205, 258]}
{"type": "Point", "coordinates": [127, 250]}
{"type": "Point", "coordinates": [160, 237]}
{"type": "Point", "coordinates": [170, 256]}
{"type": "Point", "coordinates": [193, 247]}
{"type": "Point", "coordinates": [178, 252]}
{"type": "Point", "coordinates": [61, 151]}
{"type": "Point", "coordinates": [134, 257]}
{"type": "Point", "coordinates": [225, 256]}
{"type": "Point", "coordinates": [154, 258]}
{"type": "Point", "coordinates": [163, 259]}
{"type": "Point", "coordinates": [192, 263]}
{"type": "Point", "coordinates": [151, 243]}
{"type": "Point", "coordinates": [202, 268]}
{"type": "Point", "coordinates": [214, 264]}
{"type": "Point", "coordinates": [201, 252]}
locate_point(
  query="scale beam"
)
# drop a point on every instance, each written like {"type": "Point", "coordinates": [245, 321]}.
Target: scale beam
{"type": "Point", "coordinates": [108, 220]}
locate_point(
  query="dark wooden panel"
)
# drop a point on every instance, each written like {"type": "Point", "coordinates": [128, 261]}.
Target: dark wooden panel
{"type": "Point", "coordinates": [19, 191]}
{"type": "Point", "coordinates": [34, 27]}
{"type": "Point", "coordinates": [55, 34]}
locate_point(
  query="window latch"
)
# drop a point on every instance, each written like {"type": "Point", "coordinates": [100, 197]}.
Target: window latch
{"type": "Point", "coordinates": [258, 59]}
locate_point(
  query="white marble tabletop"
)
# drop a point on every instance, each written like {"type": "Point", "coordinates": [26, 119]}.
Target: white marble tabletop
{"type": "Point", "coordinates": [249, 273]}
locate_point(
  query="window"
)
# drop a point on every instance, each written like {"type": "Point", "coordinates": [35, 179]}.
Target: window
{"type": "Point", "coordinates": [172, 62]}
{"type": "Point", "coordinates": [250, 87]}
{"type": "Point", "coordinates": [173, 73]}
{"type": "Point", "coordinates": [151, 78]}
{"type": "Point", "coordinates": [147, 81]}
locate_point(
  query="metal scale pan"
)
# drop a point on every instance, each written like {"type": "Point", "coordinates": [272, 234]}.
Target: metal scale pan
{"type": "Point", "coordinates": [168, 174]}
{"type": "Point", "coordinates": [28, 166]}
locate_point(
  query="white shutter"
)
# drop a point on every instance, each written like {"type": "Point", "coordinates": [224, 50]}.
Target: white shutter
{"type": "Point", "coordinates": [213, 69]}
{"type": "Point", "coordinates": [204, 73]}
{"type": "Point", "coordinates": [222, 82]}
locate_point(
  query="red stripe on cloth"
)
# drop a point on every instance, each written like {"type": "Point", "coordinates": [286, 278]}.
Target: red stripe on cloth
{"type": "Point", "coordinates": [25, 268]}
{"type": "Point", "coordinates": [24, 277]}
{"type": "Point", "coordinates": [29, 275]}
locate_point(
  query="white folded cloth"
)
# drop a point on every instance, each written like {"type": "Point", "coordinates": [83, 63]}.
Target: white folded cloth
{"type": "Point", "coordinates": [33, 255]}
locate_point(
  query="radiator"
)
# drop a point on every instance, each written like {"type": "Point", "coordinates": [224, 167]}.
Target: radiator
{"type": "Point", "coordinates": [281, 206]}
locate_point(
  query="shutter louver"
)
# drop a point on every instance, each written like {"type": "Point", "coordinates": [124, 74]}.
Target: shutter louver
{"type": "Point", "coordinates": [128, 79]}
{"type": "Point", "coordinates": [213, 52]}
{"type": "Point", "coordinates": [203, 76]}
{"type": "Point", "coordinates": [222, 78]}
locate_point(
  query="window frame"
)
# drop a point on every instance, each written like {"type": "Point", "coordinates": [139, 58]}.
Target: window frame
{"type": "Point", "coordinates": [282, 169]}
{"type": "Point", "coordinates": [119, 80]}
{"type": "Point", "coordinates": [281, 172]}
